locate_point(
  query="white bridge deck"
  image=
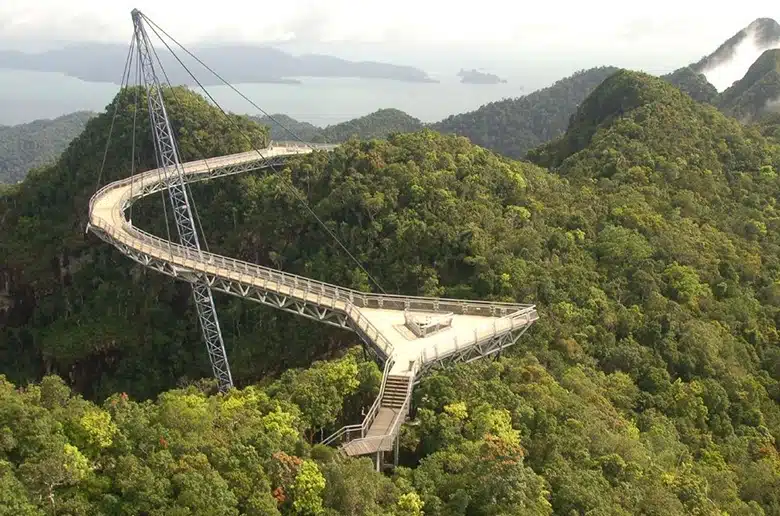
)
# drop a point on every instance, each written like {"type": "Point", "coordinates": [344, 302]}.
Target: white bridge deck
{"type": "Point", "coordinates": [477, 328]}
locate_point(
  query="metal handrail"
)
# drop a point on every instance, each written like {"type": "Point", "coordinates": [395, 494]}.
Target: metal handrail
{"type": "Point", "coordinates": [395, 425]}
{"type": "Point", "coordinates": [296, 286]}
{"type": "Point", "coordinates": [209, 163]}
{"type": "Point", "coordinates": [337, 298]}
{"type": "Point", "coordinates": [323, 294]}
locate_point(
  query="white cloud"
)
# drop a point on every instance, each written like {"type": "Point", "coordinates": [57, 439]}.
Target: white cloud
{"type": "Point", "coordinates": [505, 26]}
{"type": "Point", "coordinates": [724, 74]}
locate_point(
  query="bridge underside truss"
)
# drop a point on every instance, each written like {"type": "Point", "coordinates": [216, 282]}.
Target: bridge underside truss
{"type": "Point", "coordinates": [314, 311]}
{"type": "Point", "coordinates": [310, 310]}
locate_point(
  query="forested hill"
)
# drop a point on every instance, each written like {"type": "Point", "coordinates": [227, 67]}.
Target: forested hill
{"type": "Point", "coordinates": [63, 296]}
{"type": "Point", "coordinates": [378, 124]}
{"type": "Point", "coordinates": [769, 124]}
{"type": "Point", "coordinates": [280, 126]}
{"type": "Point", "coordinates": [650, 385]}
{"type": "Point", "coordinates": [513, 126]}
{"type": "Point", "coordinates": [693, 83]}
{"type": "Point", "coordinates": [27, 146]}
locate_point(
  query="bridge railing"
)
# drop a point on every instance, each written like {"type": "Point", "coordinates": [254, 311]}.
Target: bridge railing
{"type": "Point", "coordinates": [329, 292]}
{"type": "Point", "coordinates": [359, 299]}
{"type": "Point", "coordinates": [203, 166]}
{"type": "Point", "coordinates": [329, 295]}
{"type": "Point", "coordinates": [303, 145]}
{"type": "Point", "coordinates": [369, 330]}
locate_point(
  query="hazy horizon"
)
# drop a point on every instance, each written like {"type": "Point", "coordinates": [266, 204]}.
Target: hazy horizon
{"type": "Point", "coordinates": [532, 47]}
{"type": "Point", "coordinates": [415, 33]}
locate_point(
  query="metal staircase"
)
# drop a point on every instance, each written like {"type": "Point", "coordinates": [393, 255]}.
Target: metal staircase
{"type": "Point", "coordinates": [378, 433]}
{"type": "Point", "coordinates": [396, 390]}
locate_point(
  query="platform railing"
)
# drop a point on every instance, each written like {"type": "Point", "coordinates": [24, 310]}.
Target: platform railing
{"type": "Point", "coordinates": [499, 326]}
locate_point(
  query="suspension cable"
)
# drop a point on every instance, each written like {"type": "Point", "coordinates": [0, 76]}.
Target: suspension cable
{"type": "Point", "coordinates": [289, 131]}
{"type": "Point", "coordinates": [122, 85]}
{"type": "Point", "coordinates": [291, 188]}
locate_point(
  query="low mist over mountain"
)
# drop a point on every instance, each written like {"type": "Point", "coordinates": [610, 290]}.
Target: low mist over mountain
{"type": "Point", "coordinates": [98, 62]}
{"type": "Point", "coordinates": [747, 64]}
{"type": "Point", "coordinates": [731, 60]}
{"type": "Point", "coordinates": [757, 92]}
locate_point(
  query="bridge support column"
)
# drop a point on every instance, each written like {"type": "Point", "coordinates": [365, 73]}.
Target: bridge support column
{"type": "Point", "coordinates": [396, 449]}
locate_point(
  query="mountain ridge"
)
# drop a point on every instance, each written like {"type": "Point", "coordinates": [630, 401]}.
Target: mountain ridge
{"type": "Point", "coordinates": [37, 143]}
{"type": "Point", "coordinates": [513, 126]}
{"type": "Point", "coordinates": [96, 62]}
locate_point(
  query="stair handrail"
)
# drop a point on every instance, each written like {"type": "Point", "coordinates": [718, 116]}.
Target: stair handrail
{"type": "Point", "coordinates": [395, 425]}
{"type": "Point", "coordinates": [370, 415]}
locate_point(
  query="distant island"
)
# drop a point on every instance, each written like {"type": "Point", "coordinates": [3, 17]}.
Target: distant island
{"type": "Point", "coordinates": [477, 77]}
{"type": "Point", "coordinates": [97, 62]}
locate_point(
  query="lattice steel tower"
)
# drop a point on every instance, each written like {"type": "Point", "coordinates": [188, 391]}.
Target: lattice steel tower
{"type": "Point", "coordinates": [166, 152]}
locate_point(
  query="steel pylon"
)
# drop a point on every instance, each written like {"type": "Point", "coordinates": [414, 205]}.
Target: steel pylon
{"type": "Point", "coordinates": [166, 152]}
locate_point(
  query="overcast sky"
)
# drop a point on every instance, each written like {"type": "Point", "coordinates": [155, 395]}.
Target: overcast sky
{"type": "Point", "coordinates": [661, 28]}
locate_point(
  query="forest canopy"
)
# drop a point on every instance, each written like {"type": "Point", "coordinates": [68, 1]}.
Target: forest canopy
{"type": "Point", "coordinates": [646, 235]}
